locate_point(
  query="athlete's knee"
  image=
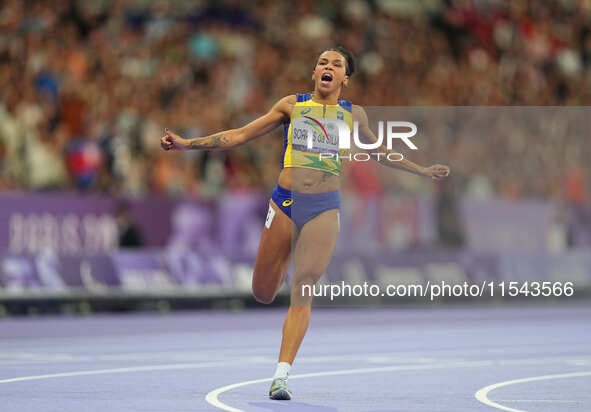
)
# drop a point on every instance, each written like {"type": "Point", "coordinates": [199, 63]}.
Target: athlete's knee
{"type": "Point", "coordinates": [305, 279]}
{"type": "Point", "coordinates": [302, 288]}
{"type": "Point", "coordinates": [264, 298]}
{"type": "Point", "coordinates": [262, 294]}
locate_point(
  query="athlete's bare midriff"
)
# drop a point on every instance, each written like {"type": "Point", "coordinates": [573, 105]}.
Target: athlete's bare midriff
{"type": "Point", "coordinates": [303, 180]}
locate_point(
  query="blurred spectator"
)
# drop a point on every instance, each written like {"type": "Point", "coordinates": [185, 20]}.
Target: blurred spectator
{"type": "Point", "coordinates": [90, 86]}
{"type": "Point", "coordinates": [5, 179]}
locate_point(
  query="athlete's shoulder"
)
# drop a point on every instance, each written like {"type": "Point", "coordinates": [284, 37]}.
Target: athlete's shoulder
{"type": "Point", "coordinates": [288, 101]}
{"type": "Point", "coordinates": [297, 98]}
{"type": "Point", "coordinates": [358, 111]}
{"type": "Point", "coordinates": [285, 105]}
{"type": "Point", "coordinates": [290, 98]}
{"type": "Point", "coordinates": [359, 115]}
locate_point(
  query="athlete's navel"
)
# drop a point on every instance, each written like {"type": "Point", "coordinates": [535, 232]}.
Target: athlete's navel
{"type": "Point", "coordinates": [308, 183]}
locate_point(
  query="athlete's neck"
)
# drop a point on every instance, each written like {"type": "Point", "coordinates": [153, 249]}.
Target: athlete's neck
{"type": "Point", "coordinates": [330, 99]}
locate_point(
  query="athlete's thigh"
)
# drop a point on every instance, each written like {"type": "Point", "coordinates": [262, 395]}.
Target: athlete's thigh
{"type": "Point", "coordinates": [314, 249]}
{"type": "Point", "coordinates": [274, 251]}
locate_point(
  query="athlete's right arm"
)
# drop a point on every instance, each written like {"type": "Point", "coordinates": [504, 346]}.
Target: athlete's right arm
{"type": "Point", "coordinates": [232, 138]}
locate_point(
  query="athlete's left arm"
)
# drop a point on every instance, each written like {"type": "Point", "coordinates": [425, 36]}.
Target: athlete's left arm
{"type": "Point", "coordinates": [367, 136]}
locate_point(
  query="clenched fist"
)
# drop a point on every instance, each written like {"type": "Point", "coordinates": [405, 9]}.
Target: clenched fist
{"type": "Point", "coordinates": [437, 172]}
{"type": "Point", "coordinates": [171, 141]}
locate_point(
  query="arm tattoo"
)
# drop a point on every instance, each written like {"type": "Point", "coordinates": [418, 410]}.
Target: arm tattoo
{"type": "Point", "coordinates": [219, 139]}
{"type": "Point", "coordinates": [210, 142]}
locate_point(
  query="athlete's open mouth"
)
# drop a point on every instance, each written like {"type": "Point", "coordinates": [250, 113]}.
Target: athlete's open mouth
{"type": "Point", "coordinates": [326, 77]}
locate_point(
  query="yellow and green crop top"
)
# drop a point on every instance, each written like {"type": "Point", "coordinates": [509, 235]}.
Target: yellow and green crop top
{"type": "Point", "coordinates": [311, 138]}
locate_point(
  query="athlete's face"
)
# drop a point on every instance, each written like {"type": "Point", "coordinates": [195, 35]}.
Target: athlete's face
{"type": "Point", "coordinates": [330, 72]}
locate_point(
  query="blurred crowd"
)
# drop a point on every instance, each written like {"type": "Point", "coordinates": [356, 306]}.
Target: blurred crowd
{"type": "Point", "coordinates": [87, 87]}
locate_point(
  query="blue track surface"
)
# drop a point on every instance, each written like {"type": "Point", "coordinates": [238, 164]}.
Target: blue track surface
{"type": "Point", "coordinates": [398, 359]}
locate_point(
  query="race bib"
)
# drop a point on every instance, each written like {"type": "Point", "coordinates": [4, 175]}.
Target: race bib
{"type": "Point", "coordinates": [270, 216]}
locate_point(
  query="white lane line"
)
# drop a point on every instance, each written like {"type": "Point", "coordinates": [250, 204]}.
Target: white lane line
{"type": "Point", "coordinates": [18, 357]}
{"type": "Point", "coordinates": [174, 366]}
{"type": "Point", "coordinates": [482, 394]}
{"type": "Point", "coordinates": [212, 397]}
{"type": "Point", "coordinates": [25, 358]}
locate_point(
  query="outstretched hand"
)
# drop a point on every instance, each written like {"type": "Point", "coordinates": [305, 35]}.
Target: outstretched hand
{"type": "Point", "coordinates": [171, 141]}
{"type": "Point", "coordinates": [437, 172]}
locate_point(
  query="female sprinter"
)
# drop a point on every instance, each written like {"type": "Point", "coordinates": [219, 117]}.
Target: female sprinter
{"type": "Point", "coordinates": [305, 203]}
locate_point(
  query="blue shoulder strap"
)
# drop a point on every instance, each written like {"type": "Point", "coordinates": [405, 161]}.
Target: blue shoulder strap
{"type": "Point", "coordinates": [303, 97]}
{"type": "Point", "coordinates": [346, 105]}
